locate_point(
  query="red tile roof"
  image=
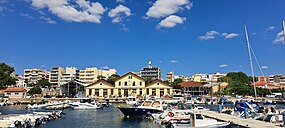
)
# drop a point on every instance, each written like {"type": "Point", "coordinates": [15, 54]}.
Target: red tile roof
{"type": "Point", "coordinates": [14, 89]}
{"type": "Point", "coordinates": [190, 84]}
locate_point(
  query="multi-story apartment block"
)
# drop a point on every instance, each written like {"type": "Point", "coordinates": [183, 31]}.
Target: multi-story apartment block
{"type": "Point", "coordinates": [151, 72]}
{"type": "Point", "coordinates": [89, 75]}
{"type": "Point", "coordinates": [71, 73]}
{"type": "Point", "coordinates": [216, 76]}
{"type": "Point", "coordinates": [200, 77]}
{"type": "Point", "coordinates": [55, 75]}
{"type": "Point", "coordinates": [170, 76]}
{"type": "Point", "coordinates": [35, 74]}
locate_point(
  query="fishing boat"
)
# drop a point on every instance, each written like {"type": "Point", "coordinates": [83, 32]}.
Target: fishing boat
{"type": "Point", "coordinates": [146, 108]}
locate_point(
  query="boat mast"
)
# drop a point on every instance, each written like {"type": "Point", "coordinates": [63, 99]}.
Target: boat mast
{"type": "Point", "coordinates": [283, 31]}
{"type": "Point", "coordinates": [250, 60]}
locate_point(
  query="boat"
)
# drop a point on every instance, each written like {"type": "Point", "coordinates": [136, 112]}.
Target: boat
{"type": "Point", "coordinates": [186, 119]}
{"type": "Point", "coordinates": [131, 100]}
{"type": "Point", "coordinates": [85, 104]}
{"type": "Point", "coordinates": [37, 106]}
{"type": "Point", "coordinates": [146, 108]}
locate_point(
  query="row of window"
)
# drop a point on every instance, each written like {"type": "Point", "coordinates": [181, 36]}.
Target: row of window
{"type": "Point", "coordinates": [126, 92]}
{"type": "Point", "coordinates": [126, 83]}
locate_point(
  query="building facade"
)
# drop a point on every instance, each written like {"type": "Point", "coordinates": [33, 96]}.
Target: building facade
{"type": "Point", "coordinates": [152, 72]}
{"type": "Point", "coordinates": [71, 73]}
{"type": "Point", "coordinates": [90, 75]}
{"type": "Point", "coordinates": [55, 76]}
{"type": "Point", "coordinates": [170, 76]}
{"type": "Point", "coordinates": [129, 84]}
{"type": "Point", "coordinates": [35, 74]}
{"type": "Point", "coordinates": [15, 92]}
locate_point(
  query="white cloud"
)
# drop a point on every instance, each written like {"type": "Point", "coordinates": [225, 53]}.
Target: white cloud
{"type": "Point", "coordinates": [229, 35]}
{"type": "Point", "coordinates": [48, 20]}
{"type": "Point", "coordinates": [171, 21]}
{"type": "Point", "coordinates": [279, 38]}
{"type": "Point", "coordinates": [223, 65]}
{"type": "Point", "coordinates": [86, 12]}
{"type": "Point", "coordinates": [174, 61]}
{"type": "Point", "coordinates": [163, 8]}
{"type": "Point", "coordinates": [271, 28]}
{"type": "Point", "coordinates": [264, 67]}
{"type": "Point", "coordinates": [105, 67]}
{"type": "Point", "coordinates": [209, 35]}
{"type": "Point", "coordinates": [26, 15]}
{"type": "Point", "coordinates": [119, 13]}
{"type": "Point", "coordinates": [120, 1]}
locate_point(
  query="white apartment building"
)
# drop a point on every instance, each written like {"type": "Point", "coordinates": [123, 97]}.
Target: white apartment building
{"type": "Point", "coordinates": [170, 76]}
{"type": "Point", "coordinates": [35, 74]}
{"type": "Point", "coordinates": [71, 73]}
{"type": "Point", "coordinates": [89, 75]}
{"type": "Point", "coordinates": [55, 75]}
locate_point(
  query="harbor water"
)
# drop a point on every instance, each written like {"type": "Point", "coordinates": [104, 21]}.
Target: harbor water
{"type": "Point", "coordinates": [107, 117]}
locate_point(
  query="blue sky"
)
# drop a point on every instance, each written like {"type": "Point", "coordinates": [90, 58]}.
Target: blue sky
{"type": "Point", "coordinates": [187, 37]}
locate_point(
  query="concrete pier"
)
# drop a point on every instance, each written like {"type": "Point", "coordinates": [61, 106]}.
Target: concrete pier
{"type": "Point", "coordinates": [239, 121]}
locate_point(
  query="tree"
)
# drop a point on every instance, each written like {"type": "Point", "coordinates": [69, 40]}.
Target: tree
{"type": "Point", "coordinates": [5, 75]}
{"type": "Point", "coordinates": [44, 83]}
{"type": "Point", "coordinates": [177, 81]}
{"type": "Point", "coordinates": [100, 77]}
{"type": "Point", "coordinates": [148, 80]}
{"type": "Point", "coordinates": [113, 78]}
{"type": "Point", "coordinates": [35, 90]}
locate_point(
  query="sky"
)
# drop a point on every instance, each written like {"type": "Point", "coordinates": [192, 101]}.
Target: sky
{"type": "Point", "coordinates": [184, 36]}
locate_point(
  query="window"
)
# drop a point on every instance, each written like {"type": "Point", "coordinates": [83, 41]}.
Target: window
{"type": "Point", "coordinates": [157, 83]}
{"type": "Point", "coordinates": [120, 83]}
{"type": "Point", "coordinates": [140, 83]}
{"type": "Point", "coordinates": [126, 83]}
{"type": "Point", "coordinates": [130, 77]}
{"type": "Point", "coordinates": [154, 92]}
{"type": "Point", "coordinates": [90, 92]}
{"type": "Point", "coordinates": [147, 91]}
{"type": "Point", "coordinates": [140, 91]}
{"type": "Point", "coordinates": [8, 93]}
{"type": "Point", "coordinates": [119, 93]}
{"type": "Point", "coordinates": [100, 83]}
{"type": "Point", "coordinates": [134, 83]}
{"type": "Point", "coordinates": [97, 92]}
{"type": "Point", "coordinates": [16, 93]}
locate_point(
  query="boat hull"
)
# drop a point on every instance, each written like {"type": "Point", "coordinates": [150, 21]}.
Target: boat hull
{"type": "Point", "coordinates": [134, 111]}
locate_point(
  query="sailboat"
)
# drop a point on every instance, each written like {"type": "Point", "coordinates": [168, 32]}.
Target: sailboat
{"type": "Point", "coordinates": [250, 60]}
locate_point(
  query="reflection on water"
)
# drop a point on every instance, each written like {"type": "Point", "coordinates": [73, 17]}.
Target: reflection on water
{"type": "Point", "coordinates": [109, 117]}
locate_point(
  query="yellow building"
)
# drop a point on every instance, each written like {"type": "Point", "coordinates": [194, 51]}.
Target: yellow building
{"type": "Point", "coordinates": [101, 88]}
{"type": "Point", "coordinates": [128, 84]}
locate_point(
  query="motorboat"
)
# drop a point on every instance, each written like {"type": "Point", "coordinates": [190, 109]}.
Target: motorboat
{"type": "Point", "coordinates": [85, 104]}
{"type": "Point", "coordinates": [131, 100]}
{"type": "Point", "coordinates": [37, 106]}
{"type": "Point", "coordinates": [186, 119]}
{"type": "Point", "coordinates": [146, 108]}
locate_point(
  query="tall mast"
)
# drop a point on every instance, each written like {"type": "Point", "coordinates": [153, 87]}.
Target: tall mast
{"type": "Point", "coordinates": [250, 60]}
{"type": "Point", "coordinates": [283, 31]}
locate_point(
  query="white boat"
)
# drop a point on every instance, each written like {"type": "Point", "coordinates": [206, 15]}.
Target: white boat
{"type": "Point", "coordinates": [37, 106]}
{"type": "Point", "coordinates": [85, 104]}
{"type": "Point", "coordinates": [187, 119]}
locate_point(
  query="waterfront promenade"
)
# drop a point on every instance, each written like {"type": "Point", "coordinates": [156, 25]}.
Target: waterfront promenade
{"type": "Point", "coordinates": [239, 121]}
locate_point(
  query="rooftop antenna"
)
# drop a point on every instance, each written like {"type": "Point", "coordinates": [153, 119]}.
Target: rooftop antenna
{"type": "Point", "coordinates": [250, 60]}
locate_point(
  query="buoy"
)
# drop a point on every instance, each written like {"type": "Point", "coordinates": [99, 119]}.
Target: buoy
{"type": "Point", "coordinates": [171, 114]}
